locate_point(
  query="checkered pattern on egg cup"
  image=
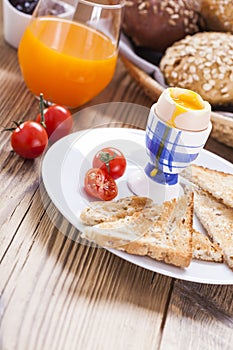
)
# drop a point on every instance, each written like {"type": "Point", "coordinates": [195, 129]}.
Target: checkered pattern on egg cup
{"type": "Point", "coordinates": [170, 149]}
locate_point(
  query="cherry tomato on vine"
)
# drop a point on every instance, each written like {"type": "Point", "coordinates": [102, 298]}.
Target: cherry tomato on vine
{"type": "Point", "coordinates": [29, 139]}
{"type": "Point", "coordinates": [111, 160]}
{"type": "Point", "coordinates": [100, 185]}
{"type": "Point", "coordinates": [58, 121]}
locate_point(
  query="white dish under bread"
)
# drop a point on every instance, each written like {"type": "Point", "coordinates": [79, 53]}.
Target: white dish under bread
{"type": "Point", "coordinates": [66, 160]}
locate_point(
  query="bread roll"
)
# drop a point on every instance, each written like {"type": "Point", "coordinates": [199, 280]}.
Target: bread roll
{"type": "Point", "coordinates": [156, 24]}
{"type": "Point", "coordinates": [203, 63]}
{"type": "Point", "coordinates": [217, 15]}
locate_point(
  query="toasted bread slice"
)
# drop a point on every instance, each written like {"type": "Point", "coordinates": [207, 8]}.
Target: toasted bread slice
{"type": "Point", "coordinates": [115, 233]}
{"type": "Point", "coordinates": [215, 182]}
{"type": "Point", "coordinates": [205, 249]}
{"type": "Point", "coordinates": [100, 211]}
{"type": "Point", "coordinates": [173, 234]}
{"type": "Point", "coordinates": [217, 219]}
{"type": "Point", "coordinates": [163, 232]}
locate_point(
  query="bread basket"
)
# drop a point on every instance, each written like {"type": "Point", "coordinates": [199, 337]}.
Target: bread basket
{"type": "Point", "coordinates": [222, 129]}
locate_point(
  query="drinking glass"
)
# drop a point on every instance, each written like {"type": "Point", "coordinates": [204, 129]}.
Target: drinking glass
{"type": "Point", "coordinates": [69, 50]}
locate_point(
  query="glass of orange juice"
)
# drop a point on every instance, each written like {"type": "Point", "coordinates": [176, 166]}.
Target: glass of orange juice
{"type": "Point", "coordinates": [69, 50]}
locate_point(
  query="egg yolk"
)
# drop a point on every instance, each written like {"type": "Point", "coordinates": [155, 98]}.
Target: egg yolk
{"type": "Point", "coordinates": [189, 100]}
{"type": "Point", "coordinates": [184, 102]}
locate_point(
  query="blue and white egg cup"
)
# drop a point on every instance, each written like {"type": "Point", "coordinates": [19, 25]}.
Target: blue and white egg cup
{"type": "Point", "coordinates": [170, 150]}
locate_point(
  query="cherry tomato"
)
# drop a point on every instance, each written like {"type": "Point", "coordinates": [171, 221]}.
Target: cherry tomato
{"type": "Point", "coordinates": [58, 121]}
{"type": "Point", "coordinates": [110, 160]}
{"type": "Point", "coordinates": [29, 139]}
{"type": "Point", "coordinates": [100, 185]}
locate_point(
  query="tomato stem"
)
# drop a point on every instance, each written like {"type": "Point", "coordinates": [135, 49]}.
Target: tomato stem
{"type": "Point", "coordinates": [42, 120]}
{"type": "Point", "coordinates": [106, 157]}
{"type": "Point", "coordinates": [8, 129]}
{"type": "Point", "coordinates": [17, 124]}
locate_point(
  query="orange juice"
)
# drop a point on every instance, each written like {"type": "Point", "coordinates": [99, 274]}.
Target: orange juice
{"type": "Point", "coordinates": [68, 62]}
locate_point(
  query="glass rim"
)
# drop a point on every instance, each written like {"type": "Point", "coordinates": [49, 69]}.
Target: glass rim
{"type": "Point", "coordinates": [105, 6]}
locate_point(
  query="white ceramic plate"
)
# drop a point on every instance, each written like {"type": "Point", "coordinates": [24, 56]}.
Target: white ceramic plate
{"type": "Point", "coordinates": [63, 169]}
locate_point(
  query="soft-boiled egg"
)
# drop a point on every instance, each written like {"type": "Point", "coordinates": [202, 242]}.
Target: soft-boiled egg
{"type": "Point", "coordinates": [183, 109]}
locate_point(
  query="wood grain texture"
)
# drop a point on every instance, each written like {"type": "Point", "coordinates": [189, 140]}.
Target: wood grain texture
{"type": "Point", "coordinates": [59, 294]}
{"type": "Point", "coordinates": [199, 317]}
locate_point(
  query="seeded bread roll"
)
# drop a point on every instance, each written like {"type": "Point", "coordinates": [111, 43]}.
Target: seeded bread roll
{"type": "Point", "coordinates": [156, 24]}
{"type": "Point", "coordinates": [202, 62]}
{"type": "Point", "coordinates": [217, 15]}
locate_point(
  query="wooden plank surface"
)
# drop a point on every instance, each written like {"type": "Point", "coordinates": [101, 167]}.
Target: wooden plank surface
{"type": "Point", "coordinates": [58, 294]}
{"type": "Point", "coordinates": [199, 317]}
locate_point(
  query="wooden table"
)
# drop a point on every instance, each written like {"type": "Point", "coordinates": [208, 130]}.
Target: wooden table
{"type": "Point", "coordinates": [59, 295]}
